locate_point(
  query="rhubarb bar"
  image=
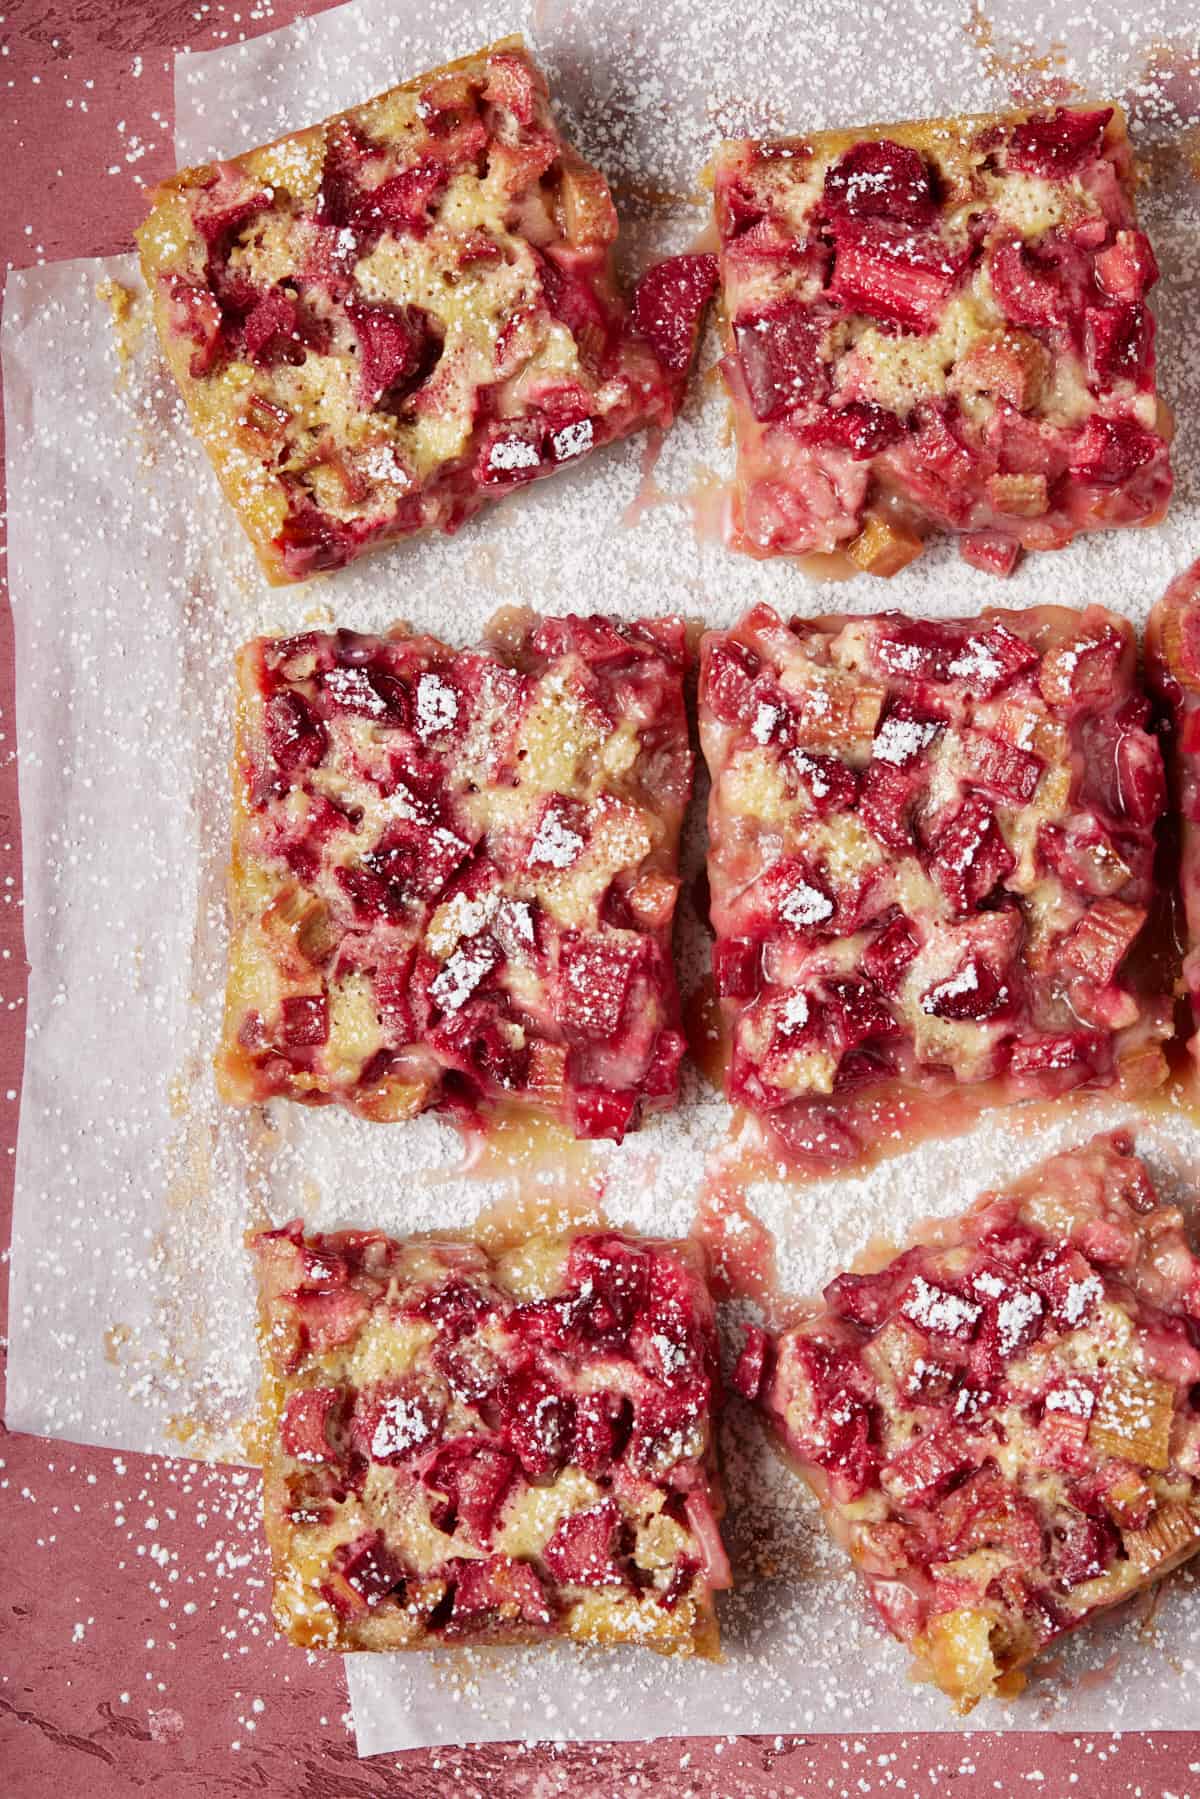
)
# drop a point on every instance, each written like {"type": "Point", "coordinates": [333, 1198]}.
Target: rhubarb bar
{"type": "Point", "coordinates": [384, 321]}
{"type": "Point", "coordinates": [940, 325]}
{"type": "Point", "coordinates": [465, 1449]}
{"type": "Point", "coordinates": [454, 874]}
{"type": "Point", "coordinates": [931, 850]}
{"type": "Point", "coordinates": [1001, 1425]}
{"type": "Point", "coordinates": [1173, 664]}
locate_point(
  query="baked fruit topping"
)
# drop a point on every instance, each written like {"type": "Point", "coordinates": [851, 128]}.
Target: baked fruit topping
{"type": "Point", "coordinates": [940, 325]}
{"type": "Point", "coordinates": [473, 1449]}
{"type": "Point", "coordinates": [1173, 668]}
{"type": "Point", "coordinates": [931, 850]}
{"type": "Point", "coordinates": [1001, 1424]}
{"type": "Point", "coordinates": [454, 873]}
{"type": "Point", "coordinates": [382, 322]}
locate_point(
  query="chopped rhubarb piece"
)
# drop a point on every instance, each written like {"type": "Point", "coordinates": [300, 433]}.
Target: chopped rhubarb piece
{"type": "Point", "coordinates": [1127, 268]}
{"type": "Point", "coordinates": [329, 1319]}
{"type": "Point", "coordinates": [468, 1479]}
{"type": "Point", "coordinates": [596, 978]}
{"type": "Point", "coordinates": [491, 1447]}
{"type": "Point", "coordinates": [1108, 452]}
{"type": "Point", "coordinates": [941, 1412]}
{"type": "Point", "coordinates": [859, 427]}
{"type": "Point", "coordinates": [888, 955]}
{"type": "Point", "coordinates": [459, 891]}
{"type": "Point", "coordinates": [970, 855]}
{"type": "Point", "coordinates": [1118, 341]}
{"type": "Point", "coordinates": [893, 273]}
{"type": "Point", "coordinates": [601, 1431]}
{"type": "Point", "coordinates": [1003, 767]}
{"type": "Point", "coordinates": [905, 308]}
{"type": "Point", "coordinates": [308, 1421]}
{"type": "Point", "coordinates": [989, 551]}
{"type": "Point", "coordinates": [395, 1421]}
{"type": "Point", "coordinates": [305, 1019]}
{"type": "Point", "coordinates": [361, 1575]}
{"type": "Point", "coordinates": [443, 199]}
{"type": "Point", "coordinates": [295, 736]}
{"type": "Point", "coordinates": [964, 900]}
{"type": "Point", "coordinates": [272, 330]}
{"type": "Point", "coordinates": [603, 1112]}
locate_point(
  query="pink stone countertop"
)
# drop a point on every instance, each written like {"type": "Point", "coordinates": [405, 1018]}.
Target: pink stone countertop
{"type": "Point", "coordinates": [135, 1652]}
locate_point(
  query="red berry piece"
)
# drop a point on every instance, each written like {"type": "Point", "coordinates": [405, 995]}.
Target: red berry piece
{"type": "Point", "coordinates": [880, 179]}
{"type": "Point", "coordinates": [970, 856]}
{"type": "Point", "coordinates": [668, 306]}
{"type": "Point", "coordinates": [780, 361]}
{"type": "Point", "coordinates": [584, 1550]}
{"type": "Point", "coordinates": [472, 1474]}
{"type": "Point", "coordinates": [305, 1019]}
{"type": "Point", "coordinates": [1059, 145]}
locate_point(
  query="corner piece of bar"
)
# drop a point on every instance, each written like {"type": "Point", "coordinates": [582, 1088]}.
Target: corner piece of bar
{"type": "Point", "coordinates": [382, 322]}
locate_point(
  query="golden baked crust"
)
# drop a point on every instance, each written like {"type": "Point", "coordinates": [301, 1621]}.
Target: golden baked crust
{"type": "Point", "coordinates": [472, 1448]}
{"type": "Point", "coordinates": [939, 324]}
{"type": "Point", "coordinates": [382, 321]}
{"type": "Point", "coordinates": [1001, 1422]}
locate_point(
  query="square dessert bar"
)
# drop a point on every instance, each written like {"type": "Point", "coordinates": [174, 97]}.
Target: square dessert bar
{"type": "Point", "coordinates": [383, 321]}
{"type": "Point", "coordinates": [940, 324]}
{"type": "Point", "coordinates": [464, 1448]}
{"type": "Point", "coordinates": [454, 873]}
{"type": "Point", "coordinates": [931, 850]}
{"type": "Point", "coordinates": [1173, 667]}
{"type": "Point", "coordinates": [1001, 1425]}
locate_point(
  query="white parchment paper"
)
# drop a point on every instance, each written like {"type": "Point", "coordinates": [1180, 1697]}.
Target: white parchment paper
{"type": "Point", "coordinates": [132, 1315]}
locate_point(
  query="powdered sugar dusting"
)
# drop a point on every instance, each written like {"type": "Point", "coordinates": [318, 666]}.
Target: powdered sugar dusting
{"type": "Point", "coordinates": [403, 1424]}
{"type": "Point", "coordinates": [934, 1309]}
{"type": "Point", "coordinates": [898, 740]}
{"type": "Point", "coordinates": [1073, 1398]}
{"type": "Point", "coordinates": [1016, 1317]}
{"type": "Point", "coordinates": [804, 905]}
{"type": "Point", "coordinates": [555, 844]}
{"type": "Point", "coordinates": [437, 706]}
{"type": "Point", "coordinates": [1080, 1296]}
